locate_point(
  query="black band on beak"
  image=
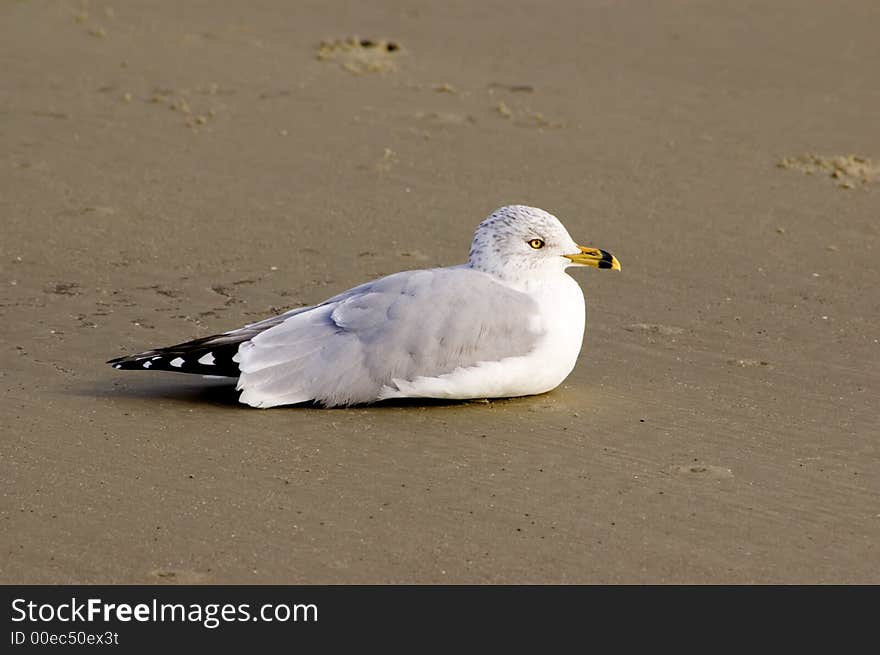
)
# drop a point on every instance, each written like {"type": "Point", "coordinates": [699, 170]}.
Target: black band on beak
{"type": "Point", "coordinates": [606, 261]}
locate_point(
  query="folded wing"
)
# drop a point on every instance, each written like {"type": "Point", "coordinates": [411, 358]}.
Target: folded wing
{"type": "Point", "coordinates": [405, 326]}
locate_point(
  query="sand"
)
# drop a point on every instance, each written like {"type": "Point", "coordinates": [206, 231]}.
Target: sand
{"type": "Point", "coordinates": [172, 170]}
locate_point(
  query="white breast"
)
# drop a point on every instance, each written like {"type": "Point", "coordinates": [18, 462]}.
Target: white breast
{"type": "Point", "coordinates": [564, 313]}
{"type": "Point", "coordinates": [561, 315]}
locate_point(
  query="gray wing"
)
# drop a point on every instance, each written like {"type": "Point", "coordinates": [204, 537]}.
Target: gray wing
{"type": "Point", "coordinates": [407, 325]}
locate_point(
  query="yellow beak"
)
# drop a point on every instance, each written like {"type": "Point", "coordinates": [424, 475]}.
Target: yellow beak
{"type": "Point", "coordinates": [594, 257]}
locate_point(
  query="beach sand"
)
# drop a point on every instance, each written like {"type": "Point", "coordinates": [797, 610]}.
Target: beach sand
{"type": "Point", "coordinates": [172, 170]}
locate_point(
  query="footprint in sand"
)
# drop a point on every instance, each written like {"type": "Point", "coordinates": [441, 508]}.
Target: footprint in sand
{"type": "Point", "coordinates": [704, 471]}
{"type": "Point", "coordinates": [655, 328]}
{"type": "Point", "coordinates": [174, 576]}
{"type": "Point", "coordinates": [359, 56]}
{"type": "Point", "coordinates": [184, 103]}
{"type": "Point", "coordinates": [514, 111]}
{"type": "Point", "coordinates": [525, 117]}
{"type": "Point", "coordinates": [849, 171]}
{"type": "Point", "coordinates": [746, 363]}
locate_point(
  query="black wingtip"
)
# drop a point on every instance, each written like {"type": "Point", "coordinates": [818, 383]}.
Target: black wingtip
{"type": "Point", "coordinates": [217, 360]}
{"type": "Point", "coordinates": [123, 362]}
{"type": "Point", "coordinates": [130, 359]}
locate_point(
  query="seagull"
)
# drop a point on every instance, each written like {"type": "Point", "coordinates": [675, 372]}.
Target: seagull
{"type": "Point", "coordinates": [509, 322]}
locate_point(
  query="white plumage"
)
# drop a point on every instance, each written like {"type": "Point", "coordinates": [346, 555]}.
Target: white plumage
{"type": "Point", "coordinates": [510, 322]}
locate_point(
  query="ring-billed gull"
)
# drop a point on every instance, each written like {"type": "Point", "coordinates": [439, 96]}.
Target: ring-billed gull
{"type": "Point", "coordinates": [509, 322]}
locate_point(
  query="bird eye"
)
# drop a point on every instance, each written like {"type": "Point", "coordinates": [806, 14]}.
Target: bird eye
{"type": "Point", "coordinates": [536, 244]}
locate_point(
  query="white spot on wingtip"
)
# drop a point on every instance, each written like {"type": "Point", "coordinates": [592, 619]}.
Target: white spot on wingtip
{"type": "Point", "coordinates": [177, 362]}
{"type": "Point", "coordinates": [207, 360]}
{"type": "Point", "coordinates": [117, 366]}
{"type": "Point", "coordinates": [148, 364]}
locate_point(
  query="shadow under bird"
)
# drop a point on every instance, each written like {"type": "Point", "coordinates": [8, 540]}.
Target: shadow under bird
{"type": "Point", "coordinates": [509, 322]}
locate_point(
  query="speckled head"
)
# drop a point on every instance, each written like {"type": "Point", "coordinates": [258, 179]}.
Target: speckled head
{"type": "Point", "coordinates": [519, 243]}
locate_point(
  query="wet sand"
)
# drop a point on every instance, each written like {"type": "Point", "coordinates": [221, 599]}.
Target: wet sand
{"type": "Point", "coordinates": [174, 171]}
